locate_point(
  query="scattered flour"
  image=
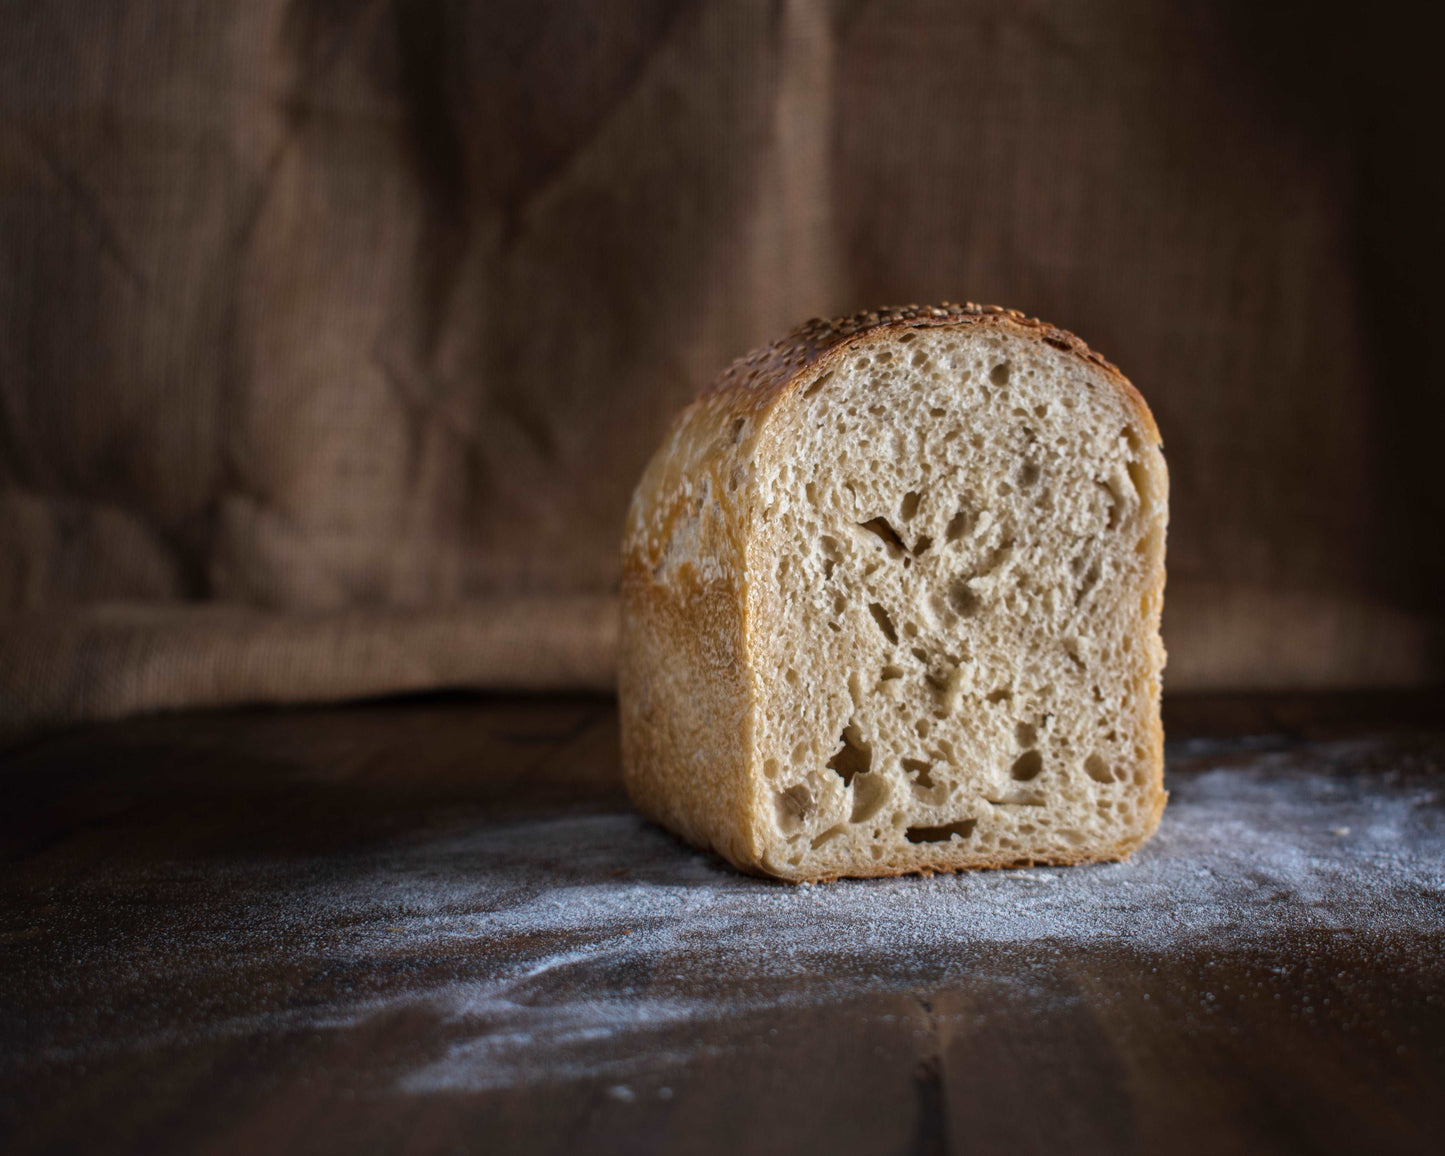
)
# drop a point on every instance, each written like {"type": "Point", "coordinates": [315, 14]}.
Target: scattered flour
{"type": "Point", "coordinates": [596, 946]}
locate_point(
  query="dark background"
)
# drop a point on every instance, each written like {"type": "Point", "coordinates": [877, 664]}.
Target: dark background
{"type": "Point", "coordinates": [334, 335]}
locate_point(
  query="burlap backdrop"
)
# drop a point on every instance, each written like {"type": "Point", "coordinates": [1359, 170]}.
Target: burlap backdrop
{"type": "Point", "coordinates": [334, 334]}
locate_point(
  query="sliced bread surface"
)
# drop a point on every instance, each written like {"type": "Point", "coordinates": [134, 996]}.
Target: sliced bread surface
{"type": "Point", "coordinates": [891, 603]}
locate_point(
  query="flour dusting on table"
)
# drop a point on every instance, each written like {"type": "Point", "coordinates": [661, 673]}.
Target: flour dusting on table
{"type": "Point", "coordinates": [597, 946]}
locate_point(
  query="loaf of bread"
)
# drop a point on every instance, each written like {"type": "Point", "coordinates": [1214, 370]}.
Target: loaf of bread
{"type": "Point", "coordinates": [891, 602]}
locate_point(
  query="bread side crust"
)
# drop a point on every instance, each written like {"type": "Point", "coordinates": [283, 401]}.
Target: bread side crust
{"type": "Point", "coordinates": [692, 625]}
{"type": "Point", "coordinates": [684, 681]}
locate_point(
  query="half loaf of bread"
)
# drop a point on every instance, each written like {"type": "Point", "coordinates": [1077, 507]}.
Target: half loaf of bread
{"type": "Point", "coordinates": [891, 603]}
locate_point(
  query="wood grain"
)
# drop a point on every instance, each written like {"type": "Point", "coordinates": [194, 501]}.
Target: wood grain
{"type": "Point", "coordinates": [203, 949]}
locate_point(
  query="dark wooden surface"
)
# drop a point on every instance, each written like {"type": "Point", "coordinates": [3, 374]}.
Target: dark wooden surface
{"type": "Point", "coordinates": [435, 927]}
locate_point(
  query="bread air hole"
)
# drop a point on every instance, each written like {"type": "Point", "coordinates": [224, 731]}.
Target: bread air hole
{"type": "Point", "coordinates": [962, 599]}
{"type": "Point", "coordinates": [922, 769]}
{"type": "Point", "coordinates": [792, 807]}
{"type": "Point", "coordinates": [1111, 510]}
{"type": "Point", "coordinates": [942, 834]}
{"type": "Point", "coordinates": [999, 374]}
{"type": "Point", "coordinates": [853, 758]}
{"type": "Point", "coordinates": [1139, 478]}
{"type": "Point", "coordinates": [832, 554]}
{"type": "Point", "coordinates": [887, 534]}
{"type": "Point", "coordinates": [1098, 769]}
{"type": "Point", "coordinates": [1027, 766]}
{"type": "Point", "coordinates": [818, 384]}
{"type": "Point", "coordinates": [870, 793]}
{"type": "Point", "coordinates": [909, 506]}
{"type": "Point", "coordinates": [885, 623]}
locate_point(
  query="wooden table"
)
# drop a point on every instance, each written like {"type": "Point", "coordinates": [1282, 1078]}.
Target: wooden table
{"type": "Point", "coordinates": [436, 926]}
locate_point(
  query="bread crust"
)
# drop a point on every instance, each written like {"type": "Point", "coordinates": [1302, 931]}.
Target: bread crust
{"type": "Point", "coordinates": [690, 624]}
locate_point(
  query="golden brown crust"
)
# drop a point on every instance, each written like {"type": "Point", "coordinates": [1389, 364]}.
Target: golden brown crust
{"type": "Point", "coordinates": [683, 678]}
{"type": "Point", "coordinates": [686, 683]}
{"type": "Point", "coordinates": [765, 373]}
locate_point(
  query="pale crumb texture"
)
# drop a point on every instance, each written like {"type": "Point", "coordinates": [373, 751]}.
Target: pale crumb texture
{"type": "Point", "coordinates": [943, 546]}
